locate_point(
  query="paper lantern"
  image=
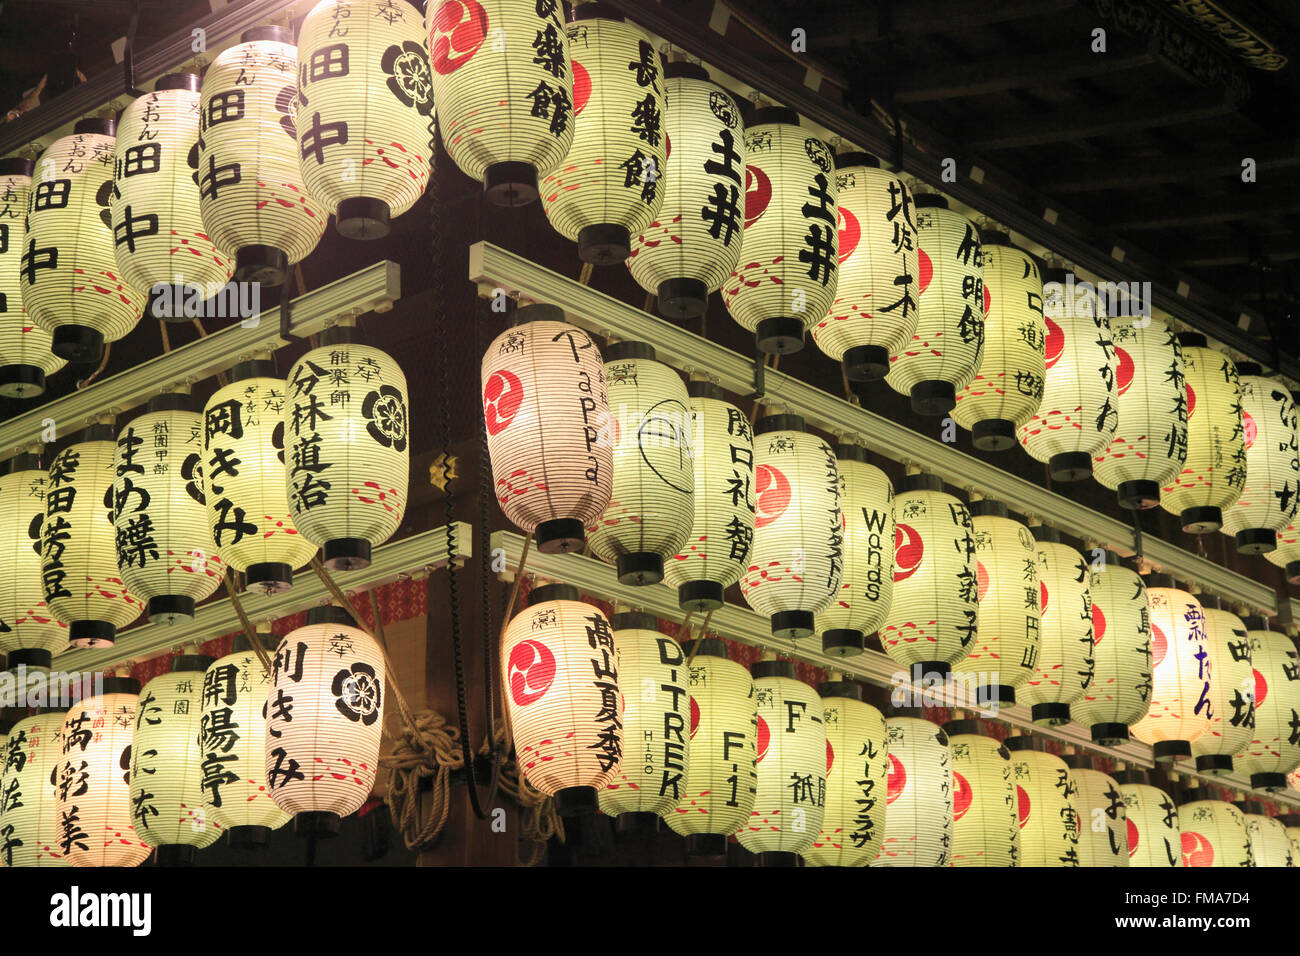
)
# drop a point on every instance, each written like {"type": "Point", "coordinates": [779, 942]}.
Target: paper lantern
{"type": "Point", "coordinates": [1270, 845]}
{"type": "Point", "coordinates": [1008, 388]}
{"type": "Point", "coordinates": [25, 356]}
{"type": "Point", "coordinates": [164, 549]}
{"type": "Point", "coordinates": [1077, 416]}
{"type": "Point", "coordinates": [348, 458]}
{"type": "Point", "coordinates": [1291, 821]}
{"type": "Point", "coordinates": [608, 186]}
{"type": "Point", "coordinates": [324, 718]}
{"type": "Point", "coordinates": [1151, 821]}
{"type": "Point", "coordinates": [720, 772]}
{"type": "Point", "coordinates": [875, 311]}
{"type": "Point", "coordinates": [504, 85]}
{"type": "Point", "coordinates": [231, 738]}
{"type": "Point", "coordinates": [947, 347]}
{"type": "Point", "coordinates": [1268, 498]}
{"type": "Point", "coordinates": [92, 779]}
{"type": "Point", "coordinates": [1099, 808]}
{"type": "Point", "coordinates": [1150, 443]}
{"type": "Point", "coordinates": [1275, 750]}
{"type": "Point", "coordinates": [797, 558]}
{"type": "Point", "coordinates": [1182, 660]}
{"type": "Point", "coordinates": [1064, 667]}
{"type": "Point", "coordinates": [790, 798]}
{"type": "Point", "coordinates": [985, 830]}
{"type": "Point", "coordinates": [83, 586]}
{"type": "Point", "coordinates": [166, 765]}
{"type": "Point", "coordinates": [919, 797]}
{"type": "Point", "coordinates": [244, 474]}
{"type": "Point", "coordinates": [652, 678]}
{"type": "Point", "coordinates": [160, 244]}
{"type": "Point", "coordinates": [934, 610]}
{"type": "Point", "coordinates": [252, 198]}
{"type": "Point", "coordinates": [70, 284]}
{"type": "Point", "coordinates": [560, 665]}
{"type": "Point", "coordinates": [1213, 832]}
{"type": "Point", "coordinates": [29, 832]}
{"type": "Point", "coordinates": [694, 243]}
{"type": "Point", "coordinates": [1232, 690]}
{"type": "Point", "coordinates": [1048, 818]}
{"type": "Point", "coordinates": [1287, 553]}
{"type": "Point", "coordinates": [31, 634]}
{"type": "Point", "coordinates": [652, 502]}
{"type": "Point", "coordinates": [1119, 694]}
{"type": "Point", "coordinates": [788, 272]}
{"type": "Point", "coordinates": [1215, 470]}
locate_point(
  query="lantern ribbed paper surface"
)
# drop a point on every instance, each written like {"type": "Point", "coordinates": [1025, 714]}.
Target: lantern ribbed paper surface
{"type": "Point", "coordinates": [1119, 693]}
{"type": "Point", "coordinates": [31, 634]}
{"type": "Point", "coordinates": [244, 471]}
{"type": "Point", "coordinates": [1150, 443]}
{"type": "Point", "coordinates": [875, 311]}
{"type": "Point", "coordinates": [609, 186]}
{"type": "Point", "coordinates": [254, 204]}
{"type": "Point", "coordinates": [919, 811]}
{"type": "Point", "coordinates": [1077, 416]}
{"type": "Point", "coordinates": [71, 287]}
{"type": "Point", "coordinates": [1292, 823]}
{"type": "Point", "coordinates": [1152, 822]}
{"type": "Point", "coordinates": [1008, 388]}
{"type": "Point", "coordinates": [29, 823]}
{"type": "Point", "coordinates": [1049, 819]}
{"type": "Point", "coordinates": [1213, 833]}
{"type": "Point", "coordinates": [25, 356]}
{"type": "Point", "coordinates": [1099, 807]}
{"type": "Point", "coordinates": [1064, 666]}
{"type": "Point", "coordinates": [503, 83]}
{"type": "Point", "coordinates": [348, 457]}
{"type": "Point", "coordinates": [694, 243]}
{"type": "Point", "coordinates": [365, 111]}
{"type": "Point", "coordinates": [91, 781]}
{"type": "Point", "coordinates": [1232, 692]}
{"type": "Point", "coordinates": [1287, 553]}
{"type": "Point", "coordinates": [796, 562]}
{"type": "Point", "coordinates": [718, 549]}
{"type": "Point", "coordinates": [1268, 498]}
{"type": "Point", "coordinates": [1181, 663]}
{"type": "Point", "coordinates": [790, 803]}
{"type": "Point", "coordinates": [1275, 751]}
{"type": "Point", "coordinates": [948, 346]}
{"type": "Point", "coordinates": [1269, 843]}
{"type": "Point", "coordinates": [985, 831]}
{"type": "Point", "coordinates": [788, 272]}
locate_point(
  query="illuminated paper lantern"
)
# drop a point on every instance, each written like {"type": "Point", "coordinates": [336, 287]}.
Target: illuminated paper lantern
{"type": "Point", "coordinates": [29, 831]}
{"type": "Point", "coordinates": [1232, 690]}
{"type": "Point", "coordinates": [947, 347]}
{"type": "Point", "coordinates": [1287, 553]}
{"type": "Point", "coordinates": [1270, 845]}
{"type": "Point", "coordinates": [1099, 808]}
{"type": "Point", "coordinates": [1291, 821]}
{"type": "Point", "coordinates": [1048, 818]}
{"type": "Point", "coordinates": [25, 356]}
{"type": "Point", "coordinates": [92, 779]}
{"type": "Point", "coordinates": [549, 430]}
{"type": "Point", "coordinates": [244, 474]}
{"type": "Point", "coordinates": [875, 311]}
{"type": "Point", "coordinates": [1181, 663]}
{"type": "Point", "coordinates": [83, 586]}
{"type": "Point", "coordinates": [560, 666]}
{"type": "Point", "coordinates": [985, 829]}
{"type": "Point", "coordinates": [867, 581]}
{"type": "Point", "coordinates": [158, 235]}
{"type": "Point", "coordinates": [1213, 831]}
{"type": "Point", "coordinates": [721, 778]}
{"type": "Point", "coordinates": [164, 548]}
{"type": "Point", "coordinates": [31, 634]}
{"type": "Point", "coordinates": [919, 797]}
{"type": "Point", "coordinates": [608, 186]}
{"type": "Point", "coordinates": [324, 718]}
{"type": "Point", "coordinates": [652, 502]}
{"type": "Point", "coordinates": [1008, 388]}
{"type": "Point", "coordinates": [252, 198]}
{"type": "Point", "coordinates": [790, 798]}
{"type": "Point", "coordinates": [1064, 667]}
{"type": "Point", "coordinates": [1268, 498]}
{"type": "Point", "coordinates": [1119, 694]}
{"type": "Point", "coordinates": [1077, 416]}
{"type": "Point", "coordinates": [1275, 750]}
{"type": "Point", "coordinates": [934, 610]}
{"type": "Point", "coordinates": [694, 243]}
{"type": "Point", "coordinates": [796, 561]}
{"type": "Point", "coordinates": [166, 765]}
{"type": "Point", "coordinates": [504, 85]}
{"type": "Point", "coordinates": [788, 272]}
{"type": "Point", "coordinates": [349, 459]}
{"type": "Point", "coordinates": [1150, 443]}
{"type": "Point", "coordinates": [1151, 821]}
{"type": "Point", "coordinates": [70, 284]}
{"type": "Point", "coordinates": [717, 551]}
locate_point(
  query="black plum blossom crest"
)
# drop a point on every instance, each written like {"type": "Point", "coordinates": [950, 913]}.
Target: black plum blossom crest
{"type": "Point", "coordinates": [387, 413]}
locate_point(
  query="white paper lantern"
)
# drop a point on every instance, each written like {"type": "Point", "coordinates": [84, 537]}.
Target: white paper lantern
{"type": "Point", "coordinates": [1275, 751]}
{"type": "Point", "coordinates": [1270, 845]}
{"type": "Point", "coordinates": [1152, 822]}
{"type": "Point", "coordinates": [1048, 817]}
{"type": "Point", "coordinates": [1272, 490]}
{"type": "Point", "coordinates": [1099, 808]}
{"type": "Point", "coordinates": [1291, 821]}
{"type": "Point", "coordinates": [1213, 832]}
{"type": "Point", "coordinates": [31, 634]}
{"type": "Point", "coordinates": [919, 811]}
{"type": "Point", "coordinates": [985, 829]}
{"type": "Point", "coordinates": [1182, 660]}
{"type": "Point", "coordinates": [1232, 690]}
{"type": "Point", "coordinates": [25, 356]}
{"type": "Point", "coordinates": [1064, 667]}
{"type": "Point", "coordinates": [694, 243]}
{"type": "Point", "coordinates": [788, 272]}
{"type": "Point", "coordinates": [29, 832]}
{"type": "Point", "coordinates": [1119, 694]}
{"type": "Point", "coordinates": [947, 348]}
{"type": "Point", "coordinates": [1287, 553]}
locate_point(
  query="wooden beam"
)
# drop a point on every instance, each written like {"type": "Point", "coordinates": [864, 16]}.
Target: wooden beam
{"type": "Point", "coordinates": [1236, 251]}
{"type": "Point", "coordinates": [1153, 170]}
{"type": "Point", "coordinates": [997, 74]}
{"type": "Point", "coordinates": [925, 18]}
{"type": "Point", "coordinates": [1194, 212]}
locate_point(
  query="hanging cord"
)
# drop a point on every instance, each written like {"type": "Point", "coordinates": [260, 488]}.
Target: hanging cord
{"type": "Point", "coordinates": [704, 632]}
{"type": "Point", "coordinates": [103, 361]}
{"type": "Point", "coordinates": [1137, 532]}
{"type": "Point", "coordinates": [166, 339]}
{"type": "Point", "coordinates": [249, 630]}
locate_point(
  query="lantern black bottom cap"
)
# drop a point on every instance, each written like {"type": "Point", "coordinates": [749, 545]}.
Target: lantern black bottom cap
{"type": "Point", "coordinates": [576, 802]}
{"type": "Point", "coordinates": [636, 824]}
{"type": "Point", "coordinates": [510, 184]}
{"type": "Point", "coordinates": [604, 244]}
{"type": "Point", "coordinates": [1268, 781]}
{"type": "Point", "coordinates": [987, 694]}
{"type": "Point", "coordinates": [699, 596]}
{"type": "Point", "coordinates": [21, 381]}
{"type": "Point", "coordinates": [993, 434]}
{"type": "Point", "coordinates": [683, 298]}
{"type": "Point", "coordinates": [1201, 520]}
{"type": "Point", "coordinates": [1166, 751]}
{"type": "Point", "coordinates": [346, 554]}
{"type": "Point", "coordinates": [248, 838]}
{"type": "Point", "coordinates": [169, 608]}
{"type": "Point", "coordinates": [31, 657]}
{"type": "Point", "coordinates": [265, 265]}
{"type": "Point", "coordinates": [1138, 494]}
{"type": "Point", "coordinates": [1293, 572]}
{"type": "Point", "coordinates": [1214, 764]}
{"type": "Point", "coordinates": [706, 844]}
{"type": "Point", "coordinates": [91, 634]}
{"type": "Point", "coordinates": [929, 670]}
{"type": "Point", "coordinates": [639, 568]}
{"type": "Point", "coordinates": [176, 854]}
{"type": "Point", "coordinates": [793, 624]}
{"type": "Point", "coordinates": [781, 335]}
{"type": "Point", "coordinates": [1109, 735]}
{"type": "Point", "coordinates": [933, 397]}
{"type": "Point", "coordinates": [363, 218]}
{"type": "Point", "coordinates": [317, 824]}
{"type": "Point", "coordinates": [866, 363]}
{"type": "Point", "coordinates": [1053, 715]}
{"type": "Point", "coordinates": [269, 577]}
{"type": "Point", "coordinates": [1070, 466]}
{"type": "Point", "coordinates": [843, 642]}
{"type": "Point", "coordinates": [1256, 541]}
{"type": "Point", "coordinates": [77, 343]}
{"type": "Point", "coordinates": [560, 536]}
{"type": "Point", "coordinates": [776, 858]}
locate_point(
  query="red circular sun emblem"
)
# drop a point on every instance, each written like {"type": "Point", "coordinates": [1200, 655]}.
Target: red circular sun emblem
{"type": "Point", "coordinates": [1159, 645]}
{"type": "Point", "coordinates": [531, 672]}
{"type": "Point", "coordinates": [830, 756]}
{"type": "Point", "coordinates": [1055, 342]}
{"type": "Point", "coordinates": [924, 270]}
{"type": "Point", "coordinates": [1132, 829]}
{"type": "Point", "coordinates": [850, 233]}
{"type": "Point", "coordinates": [771, 495]}
{"type": "Point", "coordinates": [758, 193]}
{"type": "Point", "coordinates": [1022, 805]}
{"type": "Point", "coordinates": [1098, 624]}
{"type": "Point", "coordinates": [764, 738]}
{"type": "Point", "coordinates": [502, 396]}
{"type": "Point", "coordinates": [581, 87]}
{"type": "Point", "coordinates": [981, 581]}
{"type": "Point", "coordinates": [1123, 370]}
{"type": "Point", "coordinates": [897, 781]}
{"type": "Point", "coordinates": [1248, 428]}
{"type": "Point", "coordinates": [459, 29]}
{"type": "Point", "coordinates": [1197, 850]}
{"type": "Point", "coordinates": [988, 299]}
{"type": "Point", "coordinates": [695, 717]}
{"type": "Point", "coordinates": [1261, 687]}
{"type": "Point", "coordinates": [908, 548]}
{"type": "Point", "coordinates": [1191, 400]}
{"type": "Point", "coordinates": [962, 795]}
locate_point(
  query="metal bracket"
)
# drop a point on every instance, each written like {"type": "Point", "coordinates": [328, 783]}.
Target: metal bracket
{"type": "Point", "coordinates": [760, 375]}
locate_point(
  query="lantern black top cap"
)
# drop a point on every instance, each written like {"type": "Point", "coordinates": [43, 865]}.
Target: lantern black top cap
{"type": "Point", "coordinates": [1043, 533]}
{"type": "Point", "coordinates": [856, 157]}
{"type": "Point", "coordinates": [706, 647]}
{"type": "Point", "coordinates": [1157, 580]}
{"type": "Point", "coordinates": [17, 166]}
{"type": "Point", "coordinates": [553, 592]}
{"type": "Point", "coordinates": [191, 662]}
{"type": "Point", "coordinates": [985, 507]}
{"type": "Point", "coordinates": [774, 114]}
{"type": "Point", "coordinates": [179, 81]}
{"type": "Point", "coordinates": [539, 312]}
{"type": "Point", "coordinates": [699, 388]}
{"type": "Point", "coordinates": [1192, 340]}
{"type": "Point", "coordinates": [994, 237]}
{"type": "Point", "coordinates": [840, 688]}
{"type": "Point", "coordinates": [778, 668]}
{"type": "Point", "coordinates": [1255, 622]}
{"type": "Point", "coordinates": [922, 482]}
{"type": "Point", "coordinates": [256, 368]}
{"type": "Point", "coordinates": [98, 124]}
{"type": "Point", "coordinates": [777, 423]}
{"type": "Point", "coordinates": [328, 614]}
{"type": "Point", "coordinates": [850, 452]}
{"type": "Point", "coordinates": [1249, 368]}
{"type": "Point", "coordinates": [273, 33]}
{"type": "Point", "coordinates": [120, 685]}
{"type": "Point", "coordinates": [685, 70]}
{"type": "Point", "coordinates": [633, 620]}
{"type": "Point", "coordinates": [596, 11]}
{"type": "Point", "coordinates": [1055, 274]}
{"type": "Point", "coordinates": [23, 461]}
{"type": "Point", "coordinates": [930, 201]}
{"type": "Point", "coordinates": [1023, 742]}
{"type": "Point", "coordinates": [622, 351]}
